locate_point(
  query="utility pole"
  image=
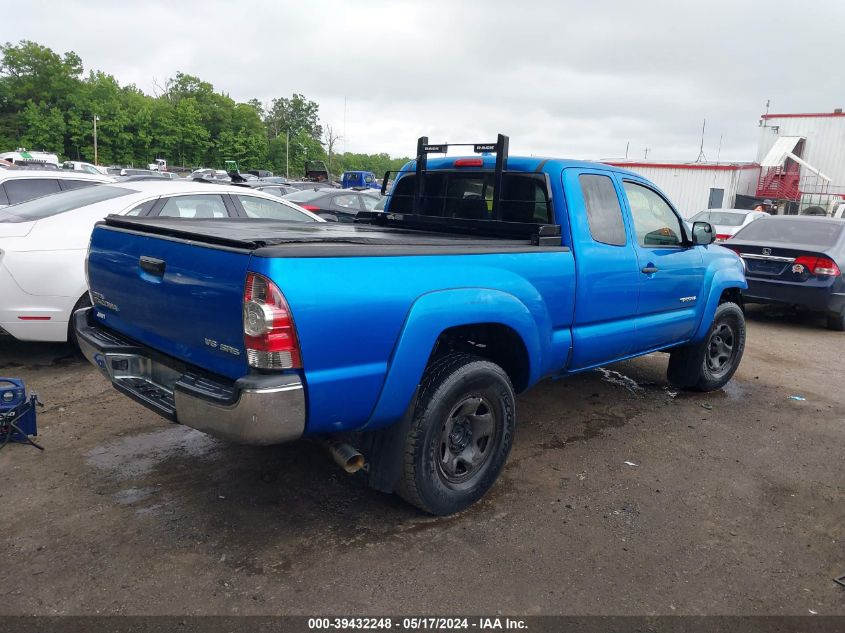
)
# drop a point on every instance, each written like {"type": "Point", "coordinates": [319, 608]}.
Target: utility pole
{"type": "Point", "coordinates": [287, 156]}
{"type": "Point", "coordinates": [646, 153]}
{"type": "Point", "coordinates": [96, 118]}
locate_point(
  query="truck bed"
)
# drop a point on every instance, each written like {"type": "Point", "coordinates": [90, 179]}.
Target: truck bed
{"type": "Point", "coordinates": [273, 238]}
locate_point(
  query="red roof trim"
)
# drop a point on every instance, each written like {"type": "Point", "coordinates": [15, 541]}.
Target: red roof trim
{"type": "Point", "coordinates": [684, 166]}
{"type": "Point", "coordinates": [809, 115]}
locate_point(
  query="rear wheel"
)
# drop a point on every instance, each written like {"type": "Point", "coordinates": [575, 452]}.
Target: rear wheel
{"type": "Point", "coordinates": [710, 364]}
{"type": "Point", "coordinates": [460, 436]}
{"type": "Point", "coordinates": [836, 322]}
{"type": "Point", "coordinates": [84, 302]}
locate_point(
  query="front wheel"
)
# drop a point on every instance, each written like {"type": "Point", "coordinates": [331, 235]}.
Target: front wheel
{"type": "Point", "coordinates": [461, 434]}
{"type": "Point", "coordinates": [710, 364]}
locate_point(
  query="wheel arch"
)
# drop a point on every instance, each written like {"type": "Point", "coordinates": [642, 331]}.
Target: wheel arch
{"type": "Point", "coordinates": [481, 321]}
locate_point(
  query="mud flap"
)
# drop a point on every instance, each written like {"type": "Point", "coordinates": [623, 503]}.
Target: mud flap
{"type": "Point", "coordinates": [384, 450]}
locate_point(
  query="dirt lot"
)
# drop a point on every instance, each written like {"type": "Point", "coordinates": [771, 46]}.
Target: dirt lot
{"type": "Point", "coordinates": [735, 504]}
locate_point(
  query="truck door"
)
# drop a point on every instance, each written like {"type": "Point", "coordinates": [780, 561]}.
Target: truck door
{"type": "Point", "coordinates": [607, 271]}
{"type": "Point", "coordinates": [671, 272]}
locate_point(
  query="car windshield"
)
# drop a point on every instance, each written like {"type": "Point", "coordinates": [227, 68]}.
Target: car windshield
{"type": "Point", "coordinates": [722, 218]}
{"type": "Point", "coordinates": [60, 203]}
{"type": "Point", "coordinates": [792, 231]}
{"type": "Point", "coordinates": [305, 195]}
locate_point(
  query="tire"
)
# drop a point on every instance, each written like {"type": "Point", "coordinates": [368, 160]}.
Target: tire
{"type": "Point", "coordinates": [460, 435]}
{"type": "Point", "coordinates": [84, 302]}
{"type": "Point", "coordinates": [836, 322]}
{"type": "Point", "coordinates": [710, 364]}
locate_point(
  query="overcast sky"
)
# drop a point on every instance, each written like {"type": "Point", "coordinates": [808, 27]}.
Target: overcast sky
{"type": "Point", "coordinates": [570, 79]}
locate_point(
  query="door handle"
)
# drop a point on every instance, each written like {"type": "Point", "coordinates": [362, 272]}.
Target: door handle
{"type": "Point", "coordinates": [152, 265]}
{"type": "Point", "coordinates": [650, 270]}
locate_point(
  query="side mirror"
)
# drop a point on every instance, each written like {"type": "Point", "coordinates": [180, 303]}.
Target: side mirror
{"type": "Point", "coordinates": [702, 234]}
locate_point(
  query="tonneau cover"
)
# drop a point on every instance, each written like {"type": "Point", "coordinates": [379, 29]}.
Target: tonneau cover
{"type": "Point", "coordinates": [309, 239]}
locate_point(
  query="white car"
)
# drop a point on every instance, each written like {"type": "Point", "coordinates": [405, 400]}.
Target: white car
{"type": "Point", "coordinates": [43, 242]}
{"type": "Point", "coordinates": [88, 168]}
{"type": "Point", "coordinates": [726, 222]}
{"type": "Point", "coordinates": [20, 185]}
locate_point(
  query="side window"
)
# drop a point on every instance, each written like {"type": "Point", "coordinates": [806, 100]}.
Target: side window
{"type": "Point", "coordinates": [348, 202]}
{"type": "Point", "coordinates": [143, 208]}
{"type": "Point", "coordinates": [67, 185]}
{"type": "Point", "coordinates": [199, 206]}
{"type": "Point", "coordinates": [604, 215]}
{"type": "Point", "coordinates": [654, 221]}
{"type": "Point", "coordinates": [370, 202]}
{"type": "Point", "coordinates": [271, 210]}
{"type": "Point", "coordinates": [4, 199]}
{"type": "Point", "coordinates": [30, 188]}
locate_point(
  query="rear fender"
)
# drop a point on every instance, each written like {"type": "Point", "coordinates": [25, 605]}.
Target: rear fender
{"type": "Point", "coordinates": [428, 317]}
{"type": "Point", "coordinates": [718, 279]}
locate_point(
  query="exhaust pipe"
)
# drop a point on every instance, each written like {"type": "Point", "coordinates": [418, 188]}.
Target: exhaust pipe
{"type": "Point", "coordinates": [346, 456]}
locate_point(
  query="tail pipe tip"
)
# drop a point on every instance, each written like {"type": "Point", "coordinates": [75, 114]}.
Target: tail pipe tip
{"type": "Point", "coordinates": [346, 456]}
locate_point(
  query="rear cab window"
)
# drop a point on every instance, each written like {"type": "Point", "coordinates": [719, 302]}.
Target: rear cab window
{"type": "Point", "coordinates": [604, 214]}
{"type": "Point", "coordinates": [469, 195]}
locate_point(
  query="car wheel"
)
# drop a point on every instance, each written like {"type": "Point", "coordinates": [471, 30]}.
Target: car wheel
{"type": "Point", "coordinates": [460, 436]}
{"type": "Point", "coordinates": [84, 302]}
{"type": "Point", "coordinates": [710, 364]}
{"type": "Point", "coordinates": [836, 322]}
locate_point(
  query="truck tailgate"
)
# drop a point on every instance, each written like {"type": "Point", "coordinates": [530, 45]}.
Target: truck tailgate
{"type": "Point", "coordinates": [183, 299]}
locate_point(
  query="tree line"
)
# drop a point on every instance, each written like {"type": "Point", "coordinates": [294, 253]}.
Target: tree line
{"type": "Point", "coordinates": [46, 103]}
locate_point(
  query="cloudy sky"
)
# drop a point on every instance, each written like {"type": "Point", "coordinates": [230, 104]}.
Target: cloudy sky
{"type": "Point", "coordinates": [569, 79]}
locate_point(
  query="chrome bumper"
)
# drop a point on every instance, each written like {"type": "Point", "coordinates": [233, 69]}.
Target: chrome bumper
{"type": "Point", "coordinates": [265, 409]}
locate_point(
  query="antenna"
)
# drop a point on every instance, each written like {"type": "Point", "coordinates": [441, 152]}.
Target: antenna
{"type": "Point", "coordinates": [701, 157]}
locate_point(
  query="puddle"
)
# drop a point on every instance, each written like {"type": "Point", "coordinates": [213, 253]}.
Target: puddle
{"type": "Point", "coordinates": [616, 378]}
{"type": "Point", "coordinates": [133, 495]}
{"type": "Point", "coordinates": [139, 454]}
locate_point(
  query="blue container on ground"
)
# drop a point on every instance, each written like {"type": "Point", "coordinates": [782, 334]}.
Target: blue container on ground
{"type": "Point", "coordinates": [13, 399]}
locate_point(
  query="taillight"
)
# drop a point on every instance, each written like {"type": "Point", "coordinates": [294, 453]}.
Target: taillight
{"type": "Point", "coordinates": [818, 265]}
{"type": "Point", "coordinates": [269, 332]}
{"type": "Point", "coordinates": [721, 237]}
{"type": "Point", "coordinates": [309, 207]}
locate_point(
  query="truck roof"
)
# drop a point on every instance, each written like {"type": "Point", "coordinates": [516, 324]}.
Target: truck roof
{"type": "Point", "coordinates": [517, 163]}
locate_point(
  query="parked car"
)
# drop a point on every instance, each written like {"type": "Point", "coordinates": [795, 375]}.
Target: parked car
{"type": "Point", "coordinates": [413, 330]}
{"type": "Point", "coordinates": [43, 242]}
{"type": "Point", "coordinates": [798, 261]}
{"type": "Point", "coordinates": [336, 205]}
{"type": "Point", "coordinates": [5, 164]}
{"type": "Point", "coordinates": [20, 185]}
{"type": "Point", "coordinates": [131, 171]}
{"type": "Point", "coordinates": [726, 222]}
{"type": "Point", "coordinates": [273, 189]}
{"type": "Point", "coordinates": [88, 168]}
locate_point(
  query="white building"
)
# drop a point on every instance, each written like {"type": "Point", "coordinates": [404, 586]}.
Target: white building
{"type": "Point", "coordinates": [693, 187]}
{"type": "Point", "coordinates": [802, 156]}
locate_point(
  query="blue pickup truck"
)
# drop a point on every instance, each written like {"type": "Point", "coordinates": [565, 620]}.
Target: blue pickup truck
{"type": "Point", "coordinates": [363, 179]}
{"type": "Point", "coordinates": [408, 333]}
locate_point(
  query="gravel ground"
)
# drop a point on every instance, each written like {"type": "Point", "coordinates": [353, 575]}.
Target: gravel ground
{"type": "Point", "coordinates": [621, 496]}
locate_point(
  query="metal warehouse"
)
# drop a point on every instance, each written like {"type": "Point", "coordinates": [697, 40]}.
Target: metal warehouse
{"type": "Point", "coordinates": [693, 187]}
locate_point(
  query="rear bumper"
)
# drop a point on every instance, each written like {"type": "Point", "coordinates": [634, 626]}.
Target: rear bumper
{"type": "Point", "coordinates": [830, 299]}
{"type": "Point", "coordinates": [256, 409]}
